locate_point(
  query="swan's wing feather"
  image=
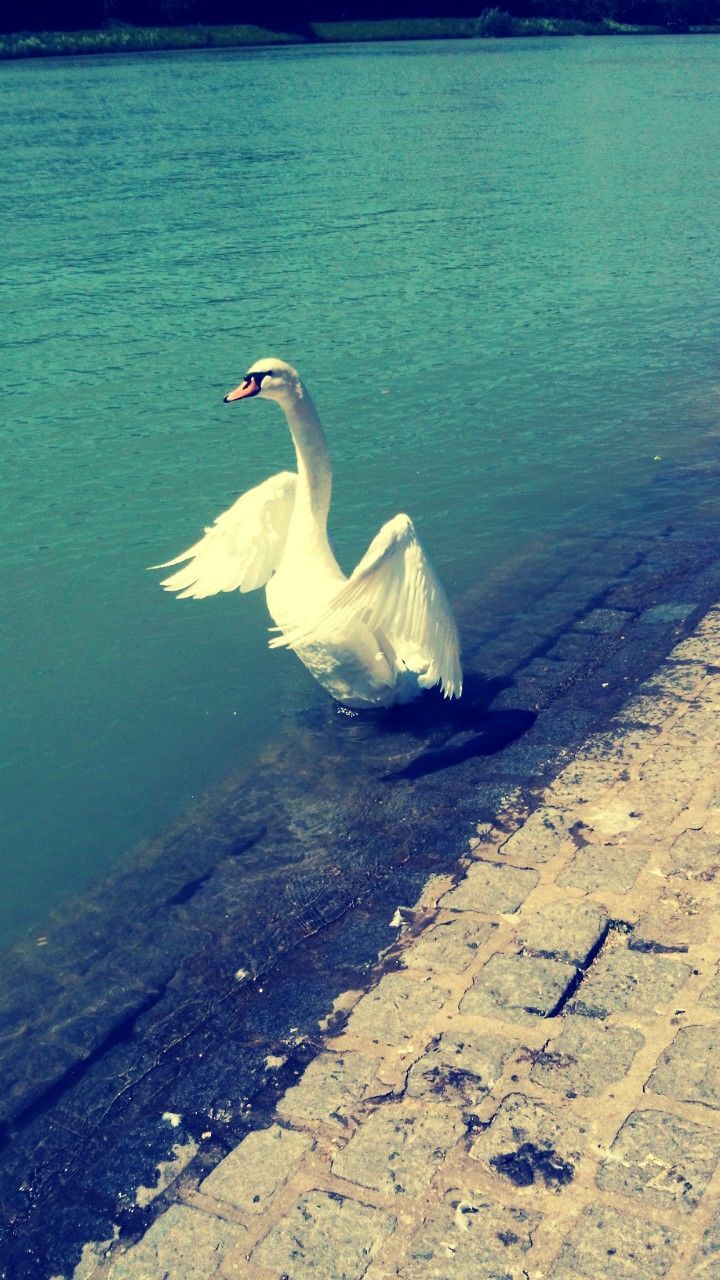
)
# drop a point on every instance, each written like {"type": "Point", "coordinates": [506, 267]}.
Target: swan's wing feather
{"type": "Point", "coordinates": [394, 589]}
{"type": "Point", "coordinates": [242, 548]}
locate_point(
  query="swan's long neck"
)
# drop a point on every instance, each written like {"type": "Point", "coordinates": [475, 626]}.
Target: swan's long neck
{"type": "Point", "coordinates": [312, 501]}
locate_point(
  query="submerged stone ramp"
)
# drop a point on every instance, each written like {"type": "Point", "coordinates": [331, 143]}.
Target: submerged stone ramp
{"type": "Point", "coordinates": [152, 1023]}
{"type": "Point", "coordinates": [531, 1090]}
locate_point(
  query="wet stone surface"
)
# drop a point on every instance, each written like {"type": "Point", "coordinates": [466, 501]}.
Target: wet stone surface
{"type": "Point", "coordinates": [604, 620]}
{"type": "Point", "coordinates": [32, 1066]}
{"type": "Point", "coordinates": [167, 1144]}
{"type": "Point", "coordinates": [530, 1163]}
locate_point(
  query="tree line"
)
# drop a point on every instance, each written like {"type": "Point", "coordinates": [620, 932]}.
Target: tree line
{"type": "Point", "coordinates": [293, 15]}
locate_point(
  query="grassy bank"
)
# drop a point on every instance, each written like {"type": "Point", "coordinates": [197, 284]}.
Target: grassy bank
{"type": "Point", "coordinates": [121, 38]}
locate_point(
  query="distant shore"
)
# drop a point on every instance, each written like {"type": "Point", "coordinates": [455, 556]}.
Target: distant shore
{"type": "Point", "coordinates": [493, 23]}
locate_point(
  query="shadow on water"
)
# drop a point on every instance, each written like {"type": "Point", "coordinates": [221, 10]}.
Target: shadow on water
{"type": "Point", "coordinates": [435, 716]}
{"type": "Point", "coordinates": [498, 730]}
{"type": "Point", "coordinates": [457, 731]}
{"type": "Point", "coordinates": [448, 731]}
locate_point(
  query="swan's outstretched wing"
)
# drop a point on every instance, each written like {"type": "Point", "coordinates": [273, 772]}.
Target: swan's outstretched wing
{"type": "Point", "coordinates": [242, 548]}
{"type": "Point", "coordinates": [394, 589]}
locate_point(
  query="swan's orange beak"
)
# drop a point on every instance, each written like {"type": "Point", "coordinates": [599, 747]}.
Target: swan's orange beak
{"type": "Point", "coordinates": [250, 387]}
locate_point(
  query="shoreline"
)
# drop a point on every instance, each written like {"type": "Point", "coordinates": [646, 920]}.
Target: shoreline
{"type": "Point", "coordinates": [157, 1021]}
{"type": "Point", "coordinates": [492, 24]}
{"type": "Point", "coordinates": [542, 1031]}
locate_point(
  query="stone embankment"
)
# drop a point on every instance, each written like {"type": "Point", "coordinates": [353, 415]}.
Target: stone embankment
{"type": "Point", "coordinates": [532, 1088]}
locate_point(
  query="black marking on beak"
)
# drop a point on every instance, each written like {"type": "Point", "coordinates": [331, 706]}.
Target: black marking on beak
{"type": "Point", "coordinates": [252, 385]}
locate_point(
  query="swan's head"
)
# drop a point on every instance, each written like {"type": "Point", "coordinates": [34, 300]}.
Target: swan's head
{"type": "Point", "coordinates": [270, 378]}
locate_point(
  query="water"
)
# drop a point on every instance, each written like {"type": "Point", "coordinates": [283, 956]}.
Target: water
{"type": "Point", "coordinates": [495, 263]}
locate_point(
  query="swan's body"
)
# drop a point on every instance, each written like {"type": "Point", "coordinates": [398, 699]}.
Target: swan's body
{"type": "Point", "coordinates": [374, 639]}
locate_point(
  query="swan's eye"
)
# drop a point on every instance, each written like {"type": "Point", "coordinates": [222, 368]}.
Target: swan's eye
{"type": "Point", "coordinates": [257, 377]}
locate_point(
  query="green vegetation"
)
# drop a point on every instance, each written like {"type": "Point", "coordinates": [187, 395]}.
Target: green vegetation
{"type": "Point", "coordinates": [74, 26]}
{"type": "Point", "coordinates": [492, 23]}
{"type": "Point", "coordinates": [119, 38]}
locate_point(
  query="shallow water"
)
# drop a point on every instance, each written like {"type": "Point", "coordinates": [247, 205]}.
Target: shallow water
{"type": "Point", "coordinates": [495, 263]}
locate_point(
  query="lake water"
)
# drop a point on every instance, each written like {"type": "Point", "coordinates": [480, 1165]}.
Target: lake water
{"type": "Point", "coordinates": [495, 263]}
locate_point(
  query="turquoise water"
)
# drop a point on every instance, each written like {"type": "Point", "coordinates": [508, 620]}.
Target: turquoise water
{"type": "Point", "coordinates": [495, 263]}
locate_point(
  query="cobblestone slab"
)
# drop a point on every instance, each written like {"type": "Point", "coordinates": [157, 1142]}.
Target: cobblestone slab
{"type": "Point", "coordinates": [626, 981]}
{"type": "Point", "coordinates": [324, 1237]}
{"type": "Point", "coordinates": [585, 1058]}
{"type": "Point", "coordinates": [710, 996]}
{"type": "Point", "coordinates": [661, 1159]}
{"type": "Point", "coordinates": [696, 855]}
{"type": "Point", "coordinates": [187, 1244]}
{"type": "Point", "coordinates": [459, 1067]}
{"type": "Point", "coordinates": [470, 1237]}
{"type": "Point", "coordinates": [680, 921]}
{"type": "Point", "coordinates": [706, 1264]}
{"type": "Point", "coordinates": [330, 1088]}
{"type": "Point", "coordinates": [532, 1088]}
{"type": "Point", "coordinates": [565, 930]}
{"type": "Point", "coordinates": [689, 1069]}
{"type": "Point", "coordinates": [449, 946]}
{"type": "Point", "coordinates": [516, 987]}
{"type": "Point", "coordinates": [603, 866]}
{"type": "Point", "coordinates": [399, 1005]}
{"type": "Point", "coordinates": [540, 838]}
{"type": "Point", "coordinates": [397, 1149]}
{"type": "Point", "coordinates": [249, 1177]}
{"type": "Point", "coordinates": [608, 1245]}
{"type": "Point", "coordinates": [492, 889]}
{"type": "Point", "coordinates": [531, 1143]}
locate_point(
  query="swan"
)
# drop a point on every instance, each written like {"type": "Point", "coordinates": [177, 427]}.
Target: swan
{"type": "Point", "coordinates": [377, 638]}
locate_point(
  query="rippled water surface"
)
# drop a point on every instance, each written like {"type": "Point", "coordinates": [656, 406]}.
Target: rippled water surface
{"type": "Point", "coordinates": [495, 263]}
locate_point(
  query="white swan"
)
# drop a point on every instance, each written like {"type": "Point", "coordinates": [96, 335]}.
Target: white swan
{"type": "Point", "coordinates": [374, 639]}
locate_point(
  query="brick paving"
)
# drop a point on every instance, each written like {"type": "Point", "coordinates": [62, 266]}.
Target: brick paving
{"type": "Point", "coordinates": [532, 1089]}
